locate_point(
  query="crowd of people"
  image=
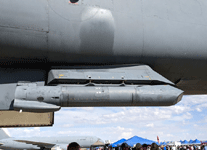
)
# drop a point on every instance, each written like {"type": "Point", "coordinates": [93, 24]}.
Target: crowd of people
{"type": "Point", "coordinates": [138, 146]}
{"type": "Point", "coordinates": [192, 147]}
{"type": "Point", "coordinates": [154, 146]}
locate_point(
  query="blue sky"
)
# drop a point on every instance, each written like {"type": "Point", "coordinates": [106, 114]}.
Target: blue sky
{"type": "Point", "coordinates": [185, 120]}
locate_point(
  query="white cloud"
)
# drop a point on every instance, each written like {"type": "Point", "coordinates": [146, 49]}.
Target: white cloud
{"type": "Point", "coordinates": [68, 125]}
{"type": "Point", "coordinates": [198, 109]}
{"type": "Point", "coordinates": [25, 132]}
{"type": "Point", "coordinates": [150, 125]}
{"type": "Point", "coordinates": [194, 99]}
{"type": "Point", "coordinates": [30, 131]}
{"type": "Point", "coordinates": [123, 108]}
{"type": "Point", "coordinates": [169, 135]}
{"type": "Point", "coordinates": [126, 135]}
{"type": "Point", "coordinates": [203, 105]}
{"type": "Point", "coordinates": [120, 128]}
{"type": "Point", "coordinates": [180, 109]}
{"type": "Point", "coordinates": [66, 132]}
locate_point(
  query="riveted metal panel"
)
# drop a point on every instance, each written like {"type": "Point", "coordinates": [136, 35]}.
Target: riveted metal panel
{"type": "Point", "coordinates": [27, 14]}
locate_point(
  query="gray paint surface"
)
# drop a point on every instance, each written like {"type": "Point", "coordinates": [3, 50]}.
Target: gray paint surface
{"type": "Point", "coordinates": [167, 35]}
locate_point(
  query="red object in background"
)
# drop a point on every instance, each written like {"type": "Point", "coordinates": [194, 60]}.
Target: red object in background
{"type": "Point", "coordinates": [158, 140]}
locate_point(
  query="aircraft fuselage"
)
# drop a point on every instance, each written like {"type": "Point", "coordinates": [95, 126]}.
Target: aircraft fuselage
{"type": "Point", "coordinates": [169, 36]}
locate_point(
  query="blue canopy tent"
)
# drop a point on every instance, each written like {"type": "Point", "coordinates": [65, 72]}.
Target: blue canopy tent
{"type": "Point", "coordinates": [117, 142]}
{"type": "Point", "coordinates": [159, 144]}
{"type": "Point", "coordinates": [196, 142]}
{"type": "Point", "coordinates": [185, 142]}
{"type": "Point", "coordinates": [190, 141]}
{"type": "Point", "coordinates": [135, 139]}
{"type": "Point", "coordinates": [164, 143]}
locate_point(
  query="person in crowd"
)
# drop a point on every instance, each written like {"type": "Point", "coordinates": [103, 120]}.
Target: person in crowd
{"type": "Point", "coordinates": [159, 147]}
{"type": "Point", "coordinates": [138, 146]}
{"type": "Point", "coordinates": [199, 147]}
{"type": "Point", "coordinates": [173, 147]}
{"type": "Point", "coordinates": [154, 146]}
{"type": "Point", "coordinates": [168, 147]}
{"type": "Point", "coordinates": [73, 146]}
{"type": "Point", "coordinates": [205, 147]}
{"type": "Point", "coordinates": [181, 147]}
{"type": "Point", "coordinates": [202, 147]}
{"type": "Point", "coordinates": [124, 146]}
{"type": "Point", "coordinates": [185, 147]}
{"type": "Point", "coordinates": [164, 148]}
{"type": "Point", "coordinates": [178, 147]}
{"type": "Point", "coordinates": [144, 146]}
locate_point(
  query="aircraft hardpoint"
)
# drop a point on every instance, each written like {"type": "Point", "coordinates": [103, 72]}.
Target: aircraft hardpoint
{"type": "Point", "coordinates": [80, 53]}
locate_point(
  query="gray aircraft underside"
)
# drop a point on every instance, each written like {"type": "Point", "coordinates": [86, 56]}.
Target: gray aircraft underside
{"type": "Point", "coordinates": [101, 52]}
{"type": "Point", "coordinates": [58, 143]}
